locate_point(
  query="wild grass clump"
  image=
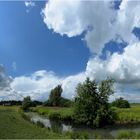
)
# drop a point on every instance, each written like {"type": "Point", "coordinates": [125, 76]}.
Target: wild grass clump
{"type": "Point", "coordinates": [128, 135]}
{"type": "Point", "coordinates": [129, 115]}
{"type": "Point", "coordinates": [62, 113]}
{"type": "Point", "coordinates": [77, 135]}
{"type": "Point", "coordinates": [25, 117]}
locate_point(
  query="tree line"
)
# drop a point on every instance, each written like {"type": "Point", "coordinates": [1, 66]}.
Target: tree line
{"type": "Point", "coordinates": [91, 104]}
{"type": "Point", "coordinates": [19, 102]}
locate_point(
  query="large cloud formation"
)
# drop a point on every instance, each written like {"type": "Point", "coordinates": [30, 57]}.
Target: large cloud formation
{"type": "Point", "coordinates": [99, 19]}
{"type": "Point", "coordinates": [124, 68]}
{"type": "Point", "coordinates": [100, 22]}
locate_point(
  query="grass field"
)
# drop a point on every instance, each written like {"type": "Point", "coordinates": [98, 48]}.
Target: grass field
{"type": "Point", "coordinates": [128, 135]}
{"type": "Point", "coordinates": [13, 126]}
{"type": "Point", "coordinates": [129, 115]}
{"type": "Point", "coordinates": [62, 113]}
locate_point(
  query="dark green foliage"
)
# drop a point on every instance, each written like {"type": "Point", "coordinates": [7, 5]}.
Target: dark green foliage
{"type": "Point", "coordinates": [10, 102]}
{"type": "Point", "coordinates": [91, 103]}
{"type": "Point", "coordinates": [35, 103]}
{"type": "Point", "coordinates": [65, 102]}
{"type": "Point", "coordinates": [47, 103]}
{"type": "Point", "coordinates": [121, 103]}
{"type": "Point", "coordinates": [55, 98]}
{"type": "Point", "coordinates": [26, 103]}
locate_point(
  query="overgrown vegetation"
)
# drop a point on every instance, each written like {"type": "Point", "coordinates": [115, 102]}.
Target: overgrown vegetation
{"type": "Point", "coordinates": [121, 103]}
{"type": "Point", "coordinates": [91, 105]}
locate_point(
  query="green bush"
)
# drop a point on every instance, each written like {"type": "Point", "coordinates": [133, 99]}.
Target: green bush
{"type": "Point", "coordinates": [65, 102]}
{"type": "Point", "coordinates": [121, 103]}
{"type": "Point", "coordinates": [26, 103]}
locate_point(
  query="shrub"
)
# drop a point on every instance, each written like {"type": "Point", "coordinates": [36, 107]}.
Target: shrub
{"type": "Point", "coordinates": [121, 103]}
{"type": "Point", "coordinates": [65, 102]}
{"type": "Point", "coordinates": [26, 103]}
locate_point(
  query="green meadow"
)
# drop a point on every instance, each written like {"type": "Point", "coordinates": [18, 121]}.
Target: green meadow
{"type": "Point", "coordinates": [62, 113]}
{"type": "Point", "coordinates": [129, 115]}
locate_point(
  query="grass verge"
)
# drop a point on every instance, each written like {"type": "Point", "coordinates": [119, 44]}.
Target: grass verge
{"type": "Point", "coordinates": [14, 126]}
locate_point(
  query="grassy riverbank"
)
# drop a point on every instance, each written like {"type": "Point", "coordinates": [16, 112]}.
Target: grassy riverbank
{"type": "Point", "coordinates": [125, 115]}
{"type": "Point", "coordinates": [13, 126]}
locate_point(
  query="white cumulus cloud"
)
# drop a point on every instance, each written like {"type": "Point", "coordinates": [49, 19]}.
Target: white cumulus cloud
{"type": "Point", "coordinates": [99, 19]}
{"type": "Point", "coordinates": [39, 84]}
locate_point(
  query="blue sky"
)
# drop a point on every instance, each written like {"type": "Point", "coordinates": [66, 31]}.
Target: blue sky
{"type": "Point", "coordinates": [26, 41]}
{"type": "Point", "coordinates": [46, 43]}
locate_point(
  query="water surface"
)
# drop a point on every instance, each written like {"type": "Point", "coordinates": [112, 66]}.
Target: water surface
{"type": "Point", "coordinates": [62, 127]}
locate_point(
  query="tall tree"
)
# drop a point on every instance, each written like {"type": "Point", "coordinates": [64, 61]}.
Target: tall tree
{"type": "Point", "coordinates": [91, 103]}
{"type": "Point", "coordinates": [55, 96]}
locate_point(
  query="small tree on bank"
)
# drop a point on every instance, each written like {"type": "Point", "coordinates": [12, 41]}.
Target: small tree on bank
{"type": "Point", "coordinates": [26, 103]}
{"type": "Point", "coordinates": [91, 103]}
